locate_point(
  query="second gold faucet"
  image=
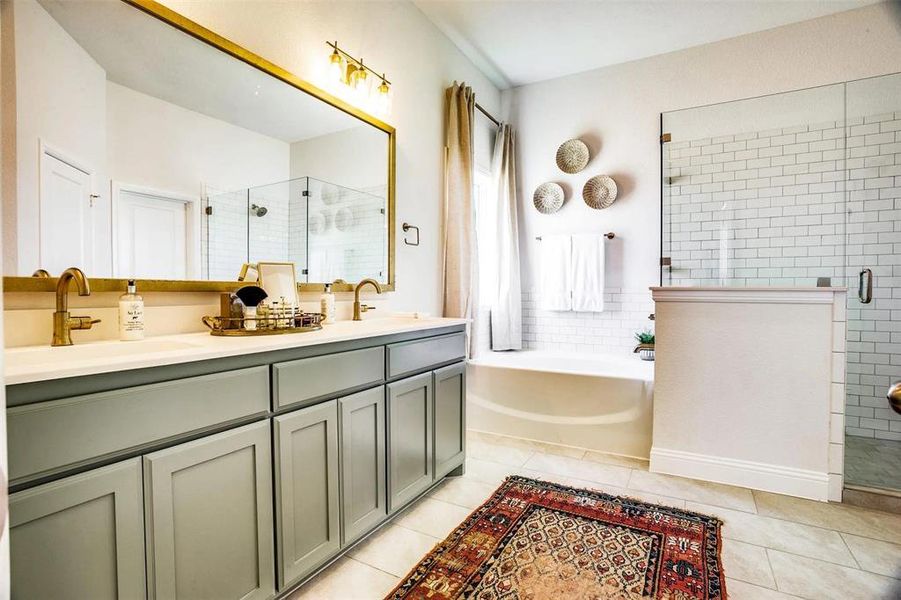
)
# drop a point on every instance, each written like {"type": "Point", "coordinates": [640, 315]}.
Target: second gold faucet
{"type": "Point", "coordinates": [359, 309]}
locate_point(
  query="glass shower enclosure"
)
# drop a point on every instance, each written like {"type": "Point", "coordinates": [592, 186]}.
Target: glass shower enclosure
{"type": "Point", "coordinates": [800, 189]}
{"type": "Point", "coordinates": [328, 231]}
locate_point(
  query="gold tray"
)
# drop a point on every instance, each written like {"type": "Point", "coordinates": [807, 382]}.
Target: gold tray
{"type": "Point", "coordinates": [234, 326]}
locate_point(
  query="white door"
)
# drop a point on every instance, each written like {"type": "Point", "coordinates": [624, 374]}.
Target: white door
{"type": "Point", "coordinates": [66, 228]}
{"type": "Point", "coordinates": [151, 234]}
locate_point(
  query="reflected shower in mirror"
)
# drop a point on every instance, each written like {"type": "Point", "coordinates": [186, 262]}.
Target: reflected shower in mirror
{"type": "Point", "coordinates": [163, 157]}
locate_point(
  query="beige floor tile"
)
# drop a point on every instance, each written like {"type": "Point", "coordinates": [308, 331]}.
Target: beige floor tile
{"type": "Point", "coordinates": [715, 494]}
{"type": "Point", "coordinates": [464, 492]}
{"type": "Point", "coordinates": [875, 556]}
{"type": "Point", "coordinates": [615, 459]}
{"type": "Point", "coordinates": [532, 445]}
{"type": "Point", "coordinates": [748, 563]}
{"type": "Point", "coordinates": [740, 590]}
{"type": "Point", "coordinates": [580, 469]}
{"type": "Point", "coordinates": [506, 454]}
{"type": "Point", "coordinates": [817, 580]}
{"type": "Point", "coordinates": [432, 517]}
{"type": "Point", "coordinates": [488, 472]}
{"type": "Point", "coordinates": [557, 450]}
{"type": "Point", "coordinates": [347, 579]}
{"type": "Point", "coordinates": [603, 487]}
{"type": "Point", "coordinates": [394, 549]}
{"type": "Point", "coordinates": [805, 540]}
{"type": "Point", "coordinates": [849, 519]}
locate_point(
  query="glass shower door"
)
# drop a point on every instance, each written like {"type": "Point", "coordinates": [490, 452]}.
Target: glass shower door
{"type": "Point", "coordinates": [752, 191]}
{"type": "Point", "coordinates": [872, 428]}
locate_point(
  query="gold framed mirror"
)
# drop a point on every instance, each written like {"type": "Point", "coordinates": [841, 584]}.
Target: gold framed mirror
{"type": "Point", "coordinates": [274, 177]}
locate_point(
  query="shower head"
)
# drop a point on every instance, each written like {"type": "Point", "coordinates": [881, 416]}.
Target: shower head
{"type": "Point", "coordinates": [258, 211]}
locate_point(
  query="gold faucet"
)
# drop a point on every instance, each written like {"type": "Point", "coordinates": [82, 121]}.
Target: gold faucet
{"type": "Point", "coordinates": [63, 324]}
{"type": "Point", "coordinates": [359, 309]}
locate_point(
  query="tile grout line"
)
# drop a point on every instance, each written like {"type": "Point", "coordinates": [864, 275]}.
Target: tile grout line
{"type": "Point", "coordinates": [851, 552]}
{"type": "Point", "coordinates": [769, 561]}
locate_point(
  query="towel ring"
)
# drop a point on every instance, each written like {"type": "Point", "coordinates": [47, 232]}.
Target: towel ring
{"type": "Point", "coordinates": [407, 227]}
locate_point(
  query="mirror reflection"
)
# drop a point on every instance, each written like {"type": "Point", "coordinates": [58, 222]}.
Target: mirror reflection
{"type": "Point", "coordinates": [142, 152]}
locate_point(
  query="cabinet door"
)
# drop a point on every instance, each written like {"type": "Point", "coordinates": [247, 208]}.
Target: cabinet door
{"type": "Point", "coordinates": [363, 498]}
{"type": "Point", "coordinates": [450, 418]}
{"type": "Point", "coordinates": [209, 517]}
{"type": "Point", "coordinates": [409, 439]}
{"type": "Point", "coordinates": [79, 537]}
{"type": "Point", "coordinates": [306, 480]}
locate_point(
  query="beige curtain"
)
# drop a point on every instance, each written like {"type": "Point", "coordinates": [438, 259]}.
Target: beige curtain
{"type": "Point", "coordinates": [460, 254]}
{"type": "Point", "coordinates": [506, 298]}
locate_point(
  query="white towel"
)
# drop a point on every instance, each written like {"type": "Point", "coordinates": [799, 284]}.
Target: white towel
{"type": "Point", "coordinates": [556, 273]}
{"type": "Point", "coordinates": [588, 273]}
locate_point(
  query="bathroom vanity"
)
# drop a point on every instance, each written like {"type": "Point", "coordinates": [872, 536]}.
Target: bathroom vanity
{"type": "Point", "coordinates": [191, 466]}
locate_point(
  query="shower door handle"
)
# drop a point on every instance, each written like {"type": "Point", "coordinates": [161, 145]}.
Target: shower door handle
{"type": "Point", "coordinates": [865, 294]}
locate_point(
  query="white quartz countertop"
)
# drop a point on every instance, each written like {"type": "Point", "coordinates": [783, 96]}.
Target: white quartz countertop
{"type": "Point", "coordinates": [41, 363]}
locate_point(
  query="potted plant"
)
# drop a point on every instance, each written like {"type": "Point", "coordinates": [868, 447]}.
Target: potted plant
{"type": "Point", "coordinates": [645, 347]}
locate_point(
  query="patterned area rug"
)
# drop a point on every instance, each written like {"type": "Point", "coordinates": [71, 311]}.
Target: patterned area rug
{"type": "Point", "coordinates": [534, 540]}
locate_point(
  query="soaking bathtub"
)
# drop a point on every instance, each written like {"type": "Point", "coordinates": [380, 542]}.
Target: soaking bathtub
{"type": "Point", "coordinates": [598, 402]}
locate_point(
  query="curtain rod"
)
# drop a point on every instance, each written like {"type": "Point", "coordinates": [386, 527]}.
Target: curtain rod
{"type": "Point", "coordinates": [488, 114]}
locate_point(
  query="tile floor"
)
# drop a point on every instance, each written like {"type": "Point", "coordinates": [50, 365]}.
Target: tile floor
{"type": "Point", "coordinates": [775, 547]}
{"type": "Point", "coordinates": [873, 463]}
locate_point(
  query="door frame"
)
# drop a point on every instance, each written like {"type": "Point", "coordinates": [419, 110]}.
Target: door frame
{"type": "Point", "coordinates": [192, 223]}
{"type": "Point", "coordinates": [62, 155]}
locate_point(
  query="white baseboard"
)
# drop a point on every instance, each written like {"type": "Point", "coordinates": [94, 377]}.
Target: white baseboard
{"type": "Point", "coordinates": [754, 475]}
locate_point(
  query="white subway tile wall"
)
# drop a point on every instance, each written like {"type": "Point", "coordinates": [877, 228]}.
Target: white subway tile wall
{"type": "Point", "coordinates": [784, 207]}
{"type": "Point", "coordinates": [612, 331]}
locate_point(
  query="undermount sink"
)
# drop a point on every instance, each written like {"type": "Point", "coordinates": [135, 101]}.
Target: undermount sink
{"type": "Point", "coordinates": [39, 355]}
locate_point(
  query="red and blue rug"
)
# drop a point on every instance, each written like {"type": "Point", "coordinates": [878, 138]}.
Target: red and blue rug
{"type": "Point", "coordinates": [534, 540]}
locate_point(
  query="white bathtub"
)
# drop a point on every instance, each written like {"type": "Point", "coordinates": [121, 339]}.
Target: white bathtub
{"type": "Point", "coordinates": [599, 402]}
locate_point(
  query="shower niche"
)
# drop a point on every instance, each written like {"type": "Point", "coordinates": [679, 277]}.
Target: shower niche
{"type": "Point", "coordinates": [328, 231]}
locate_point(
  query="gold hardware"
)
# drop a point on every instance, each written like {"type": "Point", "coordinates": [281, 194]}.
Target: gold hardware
{"type": "Point", "coordinates": [267, 325]}
{"type": "Point", "coordinates": [43, 273]}
{"type": "Point", "coordinates": [355, 70]}
{"type": "Point", "coordinates": [666, 138]}
{"type": "Point", "coordinates": [63, 323]}
{"type": "Point", "coordinates": [195, 30]}
{"type": "Point", "coordinates": [359, 309]}
{"type": "Point", "coordinates": [894, 397]}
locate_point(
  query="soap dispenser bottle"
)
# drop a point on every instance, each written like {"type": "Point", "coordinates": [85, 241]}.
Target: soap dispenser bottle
{"type": "Point", "coordinates": [131, 314]}
{"type": "Point", "coordinates": [327, 305]}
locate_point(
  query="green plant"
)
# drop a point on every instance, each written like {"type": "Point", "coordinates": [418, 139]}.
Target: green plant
{"type": "Point", "coordinates": [645, 337]}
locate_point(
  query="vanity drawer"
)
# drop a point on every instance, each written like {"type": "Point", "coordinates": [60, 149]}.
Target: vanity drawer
{"type": "Point", "coordinates": [49, 437]}
{"type": "Point", "coordinates": [418, 355]}
{"type": "Point", "coordinates": [304, 381]}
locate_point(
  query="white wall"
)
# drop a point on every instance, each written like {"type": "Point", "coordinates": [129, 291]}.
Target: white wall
{"type": "Point", "coordinates": [55, 78]}
{"type": "Point", "coordinates": [616, 110]}
{"type": "Point", "coordinates": [780, 405]}
{"type": "Point", "coordinates": [355, 158]}
{"type": "Point", "coordinates": [158, 144]}
{"type": "Point", "coordinates": [393, 37]}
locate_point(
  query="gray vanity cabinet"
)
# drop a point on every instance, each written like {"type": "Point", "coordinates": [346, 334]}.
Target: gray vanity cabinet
{"type": "Point", "coordinates": [363, 497]}
{"type": "Point", "coordinates": [80, 537]}
{"type": "Point", "coordinates": [208, 510]}
{"type": "Point", "coordinates": [450, 418]}
{"type": "Point", "coordinates": [306, 482]}
{"type": "Point", "coordinates": [410, 439]}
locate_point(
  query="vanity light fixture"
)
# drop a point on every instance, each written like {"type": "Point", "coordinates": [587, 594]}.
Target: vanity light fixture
{"type": "Point", "coordinates": [350, 71]}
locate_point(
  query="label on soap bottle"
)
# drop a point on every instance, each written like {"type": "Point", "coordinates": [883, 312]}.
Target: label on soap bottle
{"type": "Point", "coordinates": [131, 320]}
